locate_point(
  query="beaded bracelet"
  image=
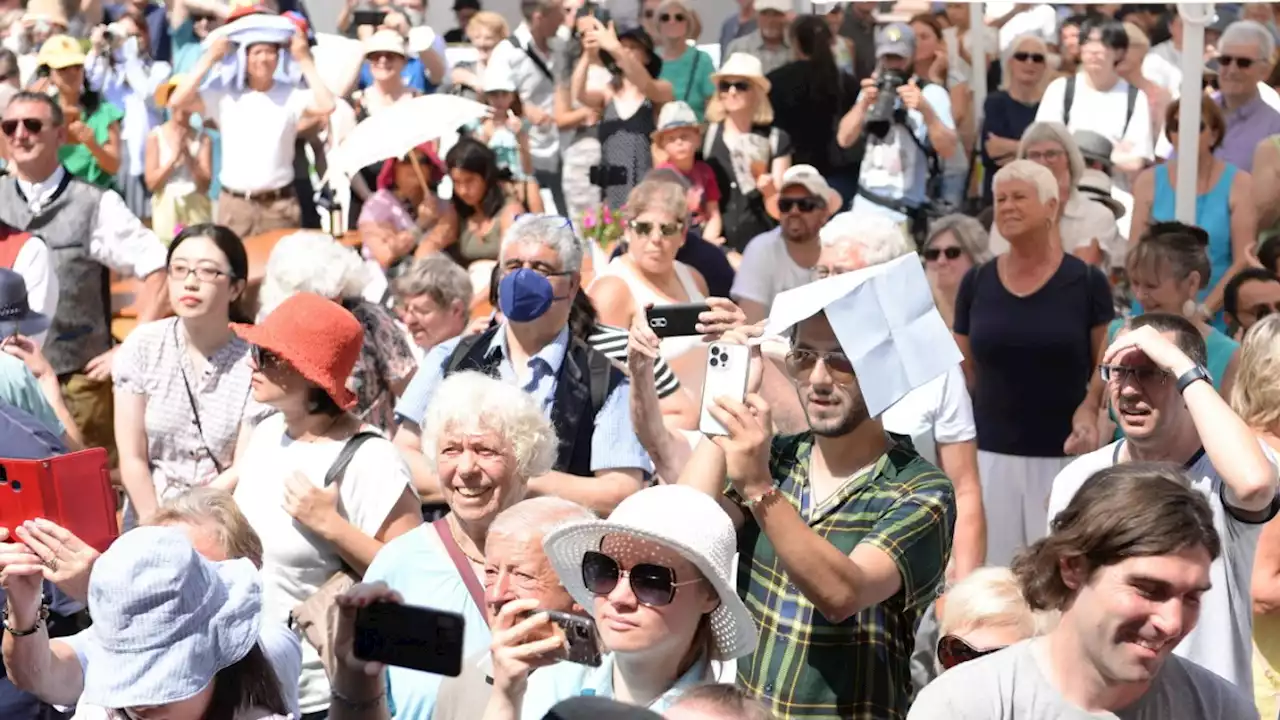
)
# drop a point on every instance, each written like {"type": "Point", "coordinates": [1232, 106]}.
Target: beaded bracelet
{"type": "Point", "coordinates": [357, 704]}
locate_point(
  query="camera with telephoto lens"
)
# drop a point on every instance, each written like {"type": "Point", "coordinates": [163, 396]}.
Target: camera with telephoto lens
{"type": "Point", "coordinates": [880, 116]}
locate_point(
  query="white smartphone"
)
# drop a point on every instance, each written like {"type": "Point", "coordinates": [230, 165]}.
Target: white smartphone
{"type": "Point", "coordinates": [728, 368]}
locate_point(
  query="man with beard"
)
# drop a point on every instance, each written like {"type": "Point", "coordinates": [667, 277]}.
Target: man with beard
{"type": "Point", "coordinates": [843, 530]}
{"type": "Point", "coordinates": [1127, 564]}
{"type": "Point", "coordinates": [1169, 412]}
{"type": "Point", "coordinates": [784, 257]}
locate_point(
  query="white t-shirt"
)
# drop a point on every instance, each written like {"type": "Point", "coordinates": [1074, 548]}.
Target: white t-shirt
{"type": "Point", "coordinates": [940, 411]}
{"type": "Point", "coordinates": [295, 561]}
{"type": "Point", "coordinates": [1102, 112]}
{"type": "Point", "coordinates": [1223, 639]}
{"type": "Point", "coordinates": [258, 132]}
{"type": "Point", "coordinates": [32, 263]}
{"type": "Point", "coordinates": [767, 269]}
{"type": "Point", "coordinates": [1012, 685]}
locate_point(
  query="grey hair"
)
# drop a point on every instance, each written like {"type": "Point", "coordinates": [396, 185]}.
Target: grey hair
{"type": "Point", "coordinates": [1036, 174]}
{"type": "Point", "coordinates": [471, 402]}
{"type": "Point", "coordinates": [655, 194]}
{"type": "Point", "coordinates": [214, 510]}
{"type": "Point", "coordinates": [1055, 132]}
{"type": "Point", "coordinates": [968, 231]}
{"type": "Point", "coordinates": [1249, 32]}
{"type": "Point", "coordinates": [535, 517]}
{"type": "Point", "coordinates": [314, 262]}
{"type": "Point", "coordinates": [877, 237]}
{"type": "Point", "coordinates": [436, 276]}
{"type": "Point", "coordinates": [550, 230]}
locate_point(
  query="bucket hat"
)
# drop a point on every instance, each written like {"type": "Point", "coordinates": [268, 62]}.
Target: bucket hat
{"type": "Point", "coordinates": [16, 315]}
{"type": "Point", "coordinates": [1096, 186]}
{"type": "Point", "coordinates": [165, 620]}
{"type": "Point", "coordinates": [388, 41]}
{"type": "Point", "coordinates": [743, 65]}
{"type": "Point", "coordinates": [317, 336]}
{"type": "Point", "coordinates": [678, 517]}
{"type": "Point", "coordinates": [674, 116]}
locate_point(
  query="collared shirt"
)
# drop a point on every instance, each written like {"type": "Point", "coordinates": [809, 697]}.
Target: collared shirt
{"type": "Point", "coordinates": [118, 239]}
{"type": "Point", "coordinates": [614, 445]}
{"type": "Point", "coordinates": [33, 264]}
{"type": "Point", "coordinates": [806, 665]}
{"type": "Point", "coordinates": [535, 88]}
{"type": "Point", "coordinates": [566, 680]}
{"type": "Point", "coordinates": [771, 58]}
{"type": "Point", "coordinates": [1247, 126]}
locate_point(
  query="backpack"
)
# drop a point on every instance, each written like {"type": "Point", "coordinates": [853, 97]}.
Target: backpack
{"type": "Point", "coordinates": [1069, 96]}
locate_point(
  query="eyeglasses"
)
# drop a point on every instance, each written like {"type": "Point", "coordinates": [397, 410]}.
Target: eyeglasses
{"type": "Point", "coordinates": [265, 359]}
{"type": "Point", "coordinates": [953, 651]}
{"type": "Point", "coordinates": [668, 17]}
{"type": "Point", "coordinates": [1243, 63]}
{"type": "Point", "coordinates": [1046, 156]}
{"type": "Point", "coordinates": [1037, 58]}
{"type": "Point", "coordinates": [951, 253]}
{"type": "Point", "coordinates": [1145, 375]}
{"type": "Point", "coordinates": [178, 271]}
{"type": "Point", "coordinates": [645, 229]}
{"type": "Point", "coordinates": [33, 126]}
{"type": "Point", "coordinates": [801, 362]}
{"type": "Point", "coordinates": [537, 266]}
{"type": "Point", "coordinates": [805, 204]}
{"type": "Point", "coordinates": [739, 85]}
{"type": "Point", "coordinates": [653, 585]}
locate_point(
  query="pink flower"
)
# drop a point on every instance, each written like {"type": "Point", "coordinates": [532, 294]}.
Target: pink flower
{"type": "Point", "coordinates": [608, 216]}
{"type": "Point", "coordinates": [588, 219]}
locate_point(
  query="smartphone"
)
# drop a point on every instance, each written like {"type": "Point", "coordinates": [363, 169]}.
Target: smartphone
{"type": "Point", "coordinates": [409, 636]}
{"type": "Point", "coordinates": [728, 368]}
{"type": "Point", "coordinates": [368, 17]}
{"type": "Point", "coordinates": [580, 633]}
{"type": "Point", "coordinates": [73, 490]}
{"type": "Point", "coordinates": [675, 320]}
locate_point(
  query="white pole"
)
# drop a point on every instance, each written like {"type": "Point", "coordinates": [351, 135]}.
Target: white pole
{"type": "Point", "coordinates": [1194, 18]}
{"type": "Point", "coordinates": [978, 75]}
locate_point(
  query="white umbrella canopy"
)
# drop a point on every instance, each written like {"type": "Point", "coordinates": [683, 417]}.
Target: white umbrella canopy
{"type": "Point", "coordinates": [396, 130]}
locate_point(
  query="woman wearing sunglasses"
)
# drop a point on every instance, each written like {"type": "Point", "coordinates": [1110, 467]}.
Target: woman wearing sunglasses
{"type": "Point", "coordinates": [687, 68]}
{"type": "Point", "coordinates": [955, 244]}
{"type": "Point", "coordinates": [1009, 111]}
{"type": "Point", "coordinates": [655, 578]}
{"type": "Point", "coordinates": [985, 613]}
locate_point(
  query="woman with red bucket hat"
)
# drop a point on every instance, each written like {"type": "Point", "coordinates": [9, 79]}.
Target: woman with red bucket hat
{"type": "Point", "coordinates": [315, 519]}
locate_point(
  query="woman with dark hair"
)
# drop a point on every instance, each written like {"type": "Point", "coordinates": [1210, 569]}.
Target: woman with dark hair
{"type": "Point", "coordinates": [92, 152]}
{"type": "Point", "coordinates": [182, 383]}
{"type": "Point", "coordinates": [480, 211]}
{"type": "Point", "coordinates": [809, 97]}
{"type": "Point", "coordinates": [405, 207]}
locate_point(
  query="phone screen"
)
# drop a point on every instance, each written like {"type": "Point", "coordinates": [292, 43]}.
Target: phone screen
{"type": "Point", "coordinates": [412, 637]}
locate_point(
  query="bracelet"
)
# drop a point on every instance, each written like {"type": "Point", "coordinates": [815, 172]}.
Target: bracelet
{"type": "Point", "coordinates": [357, 705]}
{"type": "Point", "coordinates": [752, 503]}
{"type": "Point", "coordinates": [40, 621]}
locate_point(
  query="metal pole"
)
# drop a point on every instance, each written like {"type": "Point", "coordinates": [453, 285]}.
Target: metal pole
{"type": "Point", "coordinates": [978, 52]}
{"type": "Point", "coordinates": [1194, 18]}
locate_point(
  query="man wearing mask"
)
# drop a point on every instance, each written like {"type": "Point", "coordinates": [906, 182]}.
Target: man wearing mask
{"type": "Point", "coordinates": [587, 398]}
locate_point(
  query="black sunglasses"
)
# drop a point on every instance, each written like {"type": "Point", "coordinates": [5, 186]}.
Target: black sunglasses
{"type": "Point", "coordinates": [806, 204]}
{"type": "Point", "coordinates": [33, 126]}
{"type": "Point", "coordinates": [801, 362]}
{"type": "Point", "coordinates": [1037, 58]}
{"type": "Point", "coordinates": [668, 17]}
{"type": "Point", "coordinates": [653, 585]}
{"type": "Point", "coordinates": [645, 229]}
{"type": "Point", "coordinates": [952, 253]}
{"type": "Point", "coordinates": [739, 85]}
{"type": "Point", "coordinates": [1243, 63]}
{"type": "Point", "coordinates": [264, 359]}
{"type": "Point", "coordinates": [953, 651]}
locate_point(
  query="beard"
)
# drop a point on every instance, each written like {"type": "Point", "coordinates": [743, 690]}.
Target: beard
{"type": "Point", "coordinates": [839, 419]}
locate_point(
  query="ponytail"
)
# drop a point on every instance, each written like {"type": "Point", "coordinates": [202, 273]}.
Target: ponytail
{"type": "Point", "coordinates": [813, 39]}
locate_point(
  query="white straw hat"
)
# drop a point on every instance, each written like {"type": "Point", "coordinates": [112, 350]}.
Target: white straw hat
{"type": "Point", "coordinates": [683, 519]}
{"type": "Point", "coordinates": [746, 66]}
{"type": "Point", "coordinates": [385, 41]}
{"type": "Point", "coordinates": [498, 78]}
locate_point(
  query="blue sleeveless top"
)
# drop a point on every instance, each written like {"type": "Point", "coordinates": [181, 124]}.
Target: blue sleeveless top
{"type": "Point", "coordinates": [1213, 214]}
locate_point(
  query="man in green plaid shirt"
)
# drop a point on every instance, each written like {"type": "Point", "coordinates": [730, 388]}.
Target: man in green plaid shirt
{"type": "Point", "coordinates": [844, 534]}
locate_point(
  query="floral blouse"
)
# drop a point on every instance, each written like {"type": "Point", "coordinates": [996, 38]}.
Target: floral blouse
{"type": "Point", "coordinates": [385, 359]}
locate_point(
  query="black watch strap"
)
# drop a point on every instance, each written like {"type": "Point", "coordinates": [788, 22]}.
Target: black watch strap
{"type": "Point", "coordinates": [1192, 375]}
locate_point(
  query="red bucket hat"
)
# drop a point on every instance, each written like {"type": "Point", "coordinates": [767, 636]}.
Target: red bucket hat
{"type": "Point", "coordinates": [317, 336]}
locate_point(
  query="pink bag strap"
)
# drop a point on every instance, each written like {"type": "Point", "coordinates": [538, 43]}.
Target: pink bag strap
{"type": "Point", "coordinates": [463, 565]}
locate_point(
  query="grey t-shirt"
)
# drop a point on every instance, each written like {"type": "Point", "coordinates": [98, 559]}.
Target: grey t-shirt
{"type": "Point", "coordinates": [1010, 685]}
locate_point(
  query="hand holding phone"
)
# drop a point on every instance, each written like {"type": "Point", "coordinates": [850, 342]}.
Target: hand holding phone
{"type": "Point", "coordinates": [676, 320]}
{"type": "Point", "coordinates": [578, 632]}
{"type": "Point", "coordinates": [409, 636]}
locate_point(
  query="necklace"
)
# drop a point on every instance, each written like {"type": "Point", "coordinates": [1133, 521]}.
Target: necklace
{"type": "Point", "coordinates": [453, 530]}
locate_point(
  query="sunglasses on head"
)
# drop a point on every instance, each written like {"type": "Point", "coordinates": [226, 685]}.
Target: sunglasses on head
{"type": "Point", "coordinates": [668, 17]}
{"type": "Point", "coordinates": [653, 585]}
{"type": "Point", "coordinates": [951, 253]}
{"type": "Point", "coordinates": [264, 359]}
{"type": "Point", "coordinates": [1243, 63]}
{"type": "Point", "coordinates": [801, 362]}
{"type": "Point", "coordinates": [645, 229]}
{"type": "Point", "coordinates": [739, 85]}
{"type": "Point", "coordinates": [33, 126]}
{"type": "Point", "coordinates": [953, 651]}
{"type": "Point", "coordinates": [1036, 58]}
{"type": "Point", "coordinates": [804, 204]}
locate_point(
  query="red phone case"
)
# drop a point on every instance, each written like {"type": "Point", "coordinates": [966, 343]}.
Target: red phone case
{"type": "Point", "coordinates": [73, 490]}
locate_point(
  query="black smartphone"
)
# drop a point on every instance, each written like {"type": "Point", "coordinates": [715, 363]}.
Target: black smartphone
{"type": "Point", "coordinates": [409, 636]}
{"type": "Point", "coordinates": [368, 17]}
{"type": "Point", "coordinates": [675, 320]}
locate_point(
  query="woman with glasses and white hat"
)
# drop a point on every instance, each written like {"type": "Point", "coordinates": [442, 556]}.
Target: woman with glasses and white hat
{"type": "Point", "coordinates": [655, 577]}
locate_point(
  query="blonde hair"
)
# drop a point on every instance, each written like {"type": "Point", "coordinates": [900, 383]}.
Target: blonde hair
{"type": "Point", "coordinates": [764, 109]}
{"type": "Point", "coordinates": [989, 597]}
{"type": "Point", "coordinates": [694, 28]}
{"type": "Point", "coordinates": [658, 195]}
{"type": "Point", "coordinates": [214, 510]}
{"type": "Point", "coordinates": [1256, 394]}
{"type": "Point", "coordinates": [491, 21]}
{"type": "Point", "coordinates": [1006, 66]}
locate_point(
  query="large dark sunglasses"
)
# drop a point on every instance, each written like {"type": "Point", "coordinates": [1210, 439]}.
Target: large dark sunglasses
{"type": "Point", "coordinates": [805, 204]}
{"type": "Point", "coordinates": [33, 126]}
{"type": "Point", "coordinates": [653, 585]}
{"type": "Point", "coordinates": [739, 85]}
{"type": "Point", "coordinates": [1037, 58]}
{"type": "Point", "coordinates": [953, 651]}
{"type": "Point", "coordinates": [264, 359]}
{"type": "Point", "coordinates": [952, 253]}
{"type": "Point", "coordinates": [1243, 63]}
{"type": "Point", "coordinates": [800, 364]}
{"type": "Point", "coordinates": [668, 17]}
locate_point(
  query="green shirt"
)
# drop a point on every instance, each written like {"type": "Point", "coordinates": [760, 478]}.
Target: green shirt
{"type": "Point", "coordinates": [806, 666]}
{"type": "Point", "coordinates": [690, 78]}
{"type": "Point", "coordinates": [79, 161]}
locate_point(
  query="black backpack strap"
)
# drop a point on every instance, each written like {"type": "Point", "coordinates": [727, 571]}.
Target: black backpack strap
{"type": "Point", "coordinates": [462, 353]}
{"type": "Point", "coordinates": [1068, 96]}
{"type": "Point", "coordinates": [1132, 103]}
{"type": "Point", "coordinates": [339, 467]}
{"type": "Point", "coordinates": [600, 373]}
{"type": "Point", "coordinates": [528, 50]}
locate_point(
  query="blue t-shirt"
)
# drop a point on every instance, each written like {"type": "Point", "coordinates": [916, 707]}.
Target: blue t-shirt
{"type": "Point", "coordinates": [1003, 117]}
{"type": "Point", "coordinates": [414, 75]}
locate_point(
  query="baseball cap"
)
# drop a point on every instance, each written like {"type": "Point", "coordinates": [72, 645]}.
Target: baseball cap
{"type": "Point", "coordinates": [808, 177]}
{"type": "Point", "coordinates": [60, 51]}
{"type": "Point", "coordinates": [896, 39]}
{"type": "Point", "coordinates": [782, 6]}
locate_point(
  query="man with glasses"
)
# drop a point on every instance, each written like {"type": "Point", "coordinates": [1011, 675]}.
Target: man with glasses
{"type": "Point", "coordinates": [90, 230]}
{"type": "Point", "coordinates": [587, 397]}
{"type": "Point", "coordinates": [1250, 295]}
{"type": "Point", "coordinates": [1169, 411]}
{"type": "Point", "coordinates": [1246, 49]}
{"type": "Point", "coordinates": [784, 257]}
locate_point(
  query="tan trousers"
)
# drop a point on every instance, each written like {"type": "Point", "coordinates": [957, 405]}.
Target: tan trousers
{"type": "Point", "coordinates": [92, 406]}
{"type": "Point", "coordinates": [252, 217]}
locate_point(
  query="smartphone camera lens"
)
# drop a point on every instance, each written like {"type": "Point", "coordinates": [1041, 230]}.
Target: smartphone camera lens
{"type": "Point", "coordinates": [714, 362]}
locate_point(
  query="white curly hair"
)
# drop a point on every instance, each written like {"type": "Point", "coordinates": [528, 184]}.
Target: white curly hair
{"type": "Point", "coordinates": [470, 403]}
{"type": "Point", "coordinates": [312, 262]}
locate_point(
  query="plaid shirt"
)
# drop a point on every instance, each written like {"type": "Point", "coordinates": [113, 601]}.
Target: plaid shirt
{"type": "Point", "coordinates": [806, 666]}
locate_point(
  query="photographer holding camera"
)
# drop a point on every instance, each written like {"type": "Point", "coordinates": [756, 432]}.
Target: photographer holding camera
{"type": "Point", "coordinates": [909, 129]}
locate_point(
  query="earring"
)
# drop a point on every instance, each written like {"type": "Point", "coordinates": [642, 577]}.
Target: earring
{"type": "Point", "coordinates": [1189, 308]}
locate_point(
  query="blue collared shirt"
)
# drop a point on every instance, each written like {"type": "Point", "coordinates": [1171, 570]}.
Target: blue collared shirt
{"type": "Point", "coordinates": [614, 445]}
{"type": "Point", "coordinates": [564, 680]}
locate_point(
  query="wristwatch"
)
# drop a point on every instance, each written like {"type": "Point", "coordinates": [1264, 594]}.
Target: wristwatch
{"type": "Point", "coordinates": [1195, 373]}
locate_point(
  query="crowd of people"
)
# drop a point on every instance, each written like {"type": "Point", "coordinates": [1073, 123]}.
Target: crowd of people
{"type": "Point", "coordinates": [1007, 442]}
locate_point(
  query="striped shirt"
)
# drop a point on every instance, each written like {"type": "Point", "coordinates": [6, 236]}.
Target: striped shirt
{"type": "Point", "coordinates": [806, 666]}
{"type": "Point", "coordinates": [611, 342]}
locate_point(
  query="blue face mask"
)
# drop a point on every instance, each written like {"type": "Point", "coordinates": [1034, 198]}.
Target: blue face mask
{"type": "Point", "coordinates": [525, 295]}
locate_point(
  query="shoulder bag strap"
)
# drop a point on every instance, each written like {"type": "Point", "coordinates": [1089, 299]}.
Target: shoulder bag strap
{"type": "Point", "coordinates": [462, 564]}
{"type": "Point", "coordinates": [191, 397]}
{"type": "Point", "coordinates": [1130, 104]}
{"type": "Point", "coordinates": [688, 88]}
{"type": "Point", "coordinates": [339, 467]}
{"type": "Point", "coordinates": [528, 50]}
{"type": "Point", "coordinates": [1068, 96]}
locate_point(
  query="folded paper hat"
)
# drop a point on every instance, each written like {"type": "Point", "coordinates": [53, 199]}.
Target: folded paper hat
{"type": "Point", "coordinates": [886, 322]}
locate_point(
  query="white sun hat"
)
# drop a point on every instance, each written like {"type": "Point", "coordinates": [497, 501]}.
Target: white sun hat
{"type": "Point", "coordinates": [498, 78]}
{"type": "Point", "coordinates": [683, 519]}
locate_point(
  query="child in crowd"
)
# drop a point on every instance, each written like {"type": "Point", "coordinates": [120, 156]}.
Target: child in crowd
{"type": "Point", "coordinates": [506, 132]}
{"type": "Point", "coordinates": [676, 142]}
{"type": "Point", "coordinates": [178, 169]}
